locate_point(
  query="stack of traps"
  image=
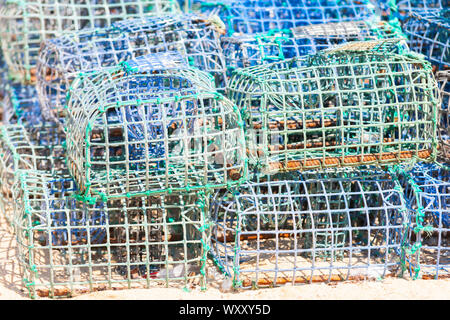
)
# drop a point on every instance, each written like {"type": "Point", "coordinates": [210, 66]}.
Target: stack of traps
{"type": "Point", "coordinates": [143, 145]}
{"type": "Point", "coordinates": [145, 168]}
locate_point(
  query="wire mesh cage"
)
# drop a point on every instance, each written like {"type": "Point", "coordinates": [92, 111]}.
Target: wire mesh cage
{"type": "Point", "coordinates": [255, 16]}
{"type": "Point", "coordinates": [20, 105]}
{"type": "Point", "coordinates": [318, 227]}
{"type": "Point", "coordinates": [443, 78]}
{"type": "Point", "coordinates": [38, 148]}
{"type": "Point", "coordinates": [346, 106]}
{"type": "Point", "coordinates": [427, 189]}
{"type": "Point", "coordinates": [62, 59]}
{"type": "Point", "coordinates": [68, 247]}
{"type": "Point", "coordinates": [26, 23]}
{"type": "Point", "coordinates": [142, 133]}
{"type": "Point", "coordinates": [429, 35]}
{"type": "Point", "coordinates": [406, 7]}
{"type": "Point", "coordinates": [250, 50]}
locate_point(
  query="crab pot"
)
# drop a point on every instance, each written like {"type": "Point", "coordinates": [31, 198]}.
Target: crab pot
{"type": "Point", "coordinates": [26, 23]}
{"type": "Point", "coordinates": [406, 7]}
{"type": "Point", "coordinates": [21, 105]}
{"type": "Point", "coordinates": [36, 148]}
{"type": "Point", "coordinates": [317, 228]}
{"type": "Point", "coordinates": [254, 16]}
{"type": "Point", "coordinates": [427, 191]}
{"type": "Point", "coordinates": [357, 104]}
{"type": "Point", "coordinates": [69, 247]}
{"type": "Point", "coordinates": [242, 51]}
{"type": "Point", "coordinates": [429, 34]}
{"type": "Point", "coordinates": [141, 133]}
{"type": "Point", "coordinates": [443, 78]}
{"type": "Point", "coordinates": [62, 59]}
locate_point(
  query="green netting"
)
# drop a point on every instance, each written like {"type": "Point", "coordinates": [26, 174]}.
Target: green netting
{"type": "Point", "coordinates": [26, 23]}
{"type": "Point", "coordinates": [33, 148]}
{"type": "Point", "coordinates": [67, 247]}
{"type": "Point", "coordinates": [140, 133]}
{"type": "Point", "coordinates": [355, 104]}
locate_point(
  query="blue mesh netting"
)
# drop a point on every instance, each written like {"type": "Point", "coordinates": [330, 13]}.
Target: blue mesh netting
{"type": "Point", "coordinates": [255, 16]}
{"type": "Point", "coordinates": [427, 189]}
{"type": "Point", "coordinates": [21, 105]}
{"type": "Point", "coordinates": [428, 34]}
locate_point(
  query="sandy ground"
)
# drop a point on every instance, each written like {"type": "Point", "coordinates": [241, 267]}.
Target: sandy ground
{"type": "Point", "coordinates": [391, 288]}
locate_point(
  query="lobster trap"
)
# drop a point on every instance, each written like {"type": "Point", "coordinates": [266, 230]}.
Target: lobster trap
{"type": "Point", "coordinates": [69, 247]}
{"type": "Point", "coordinates": [443, 78]}
{"type": "Point", "coordinates": [429, 35]}
{"type": "Point", "coordinates": [427, 192]}
{"type": "Point", "coordinates": [20, 105]}
{"type": "Point", "coordinates": [254, 16]}
{"type": "Point", "coordinates": [62, 59]}
{"type": "Point", "coordinates": [26, 23]}
{"type": "Point", "coordinates": [242, 51]}
{"type": "Point", "coordinates": [38, 148]}
{"type": "Point", "coordinates": [357, 104]}
{"type": "Point", "coordinates": [131, 134]}
{"type": "Point", "coordinates": [312, 227]}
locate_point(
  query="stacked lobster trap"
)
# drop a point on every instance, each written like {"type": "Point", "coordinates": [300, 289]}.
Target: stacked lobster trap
{"type": "Point", "coordinates": [27, 23]}
{"type": "Point", "coordinates": [317, 228]}
{"type": "Point", "coordinates": [276, 141]}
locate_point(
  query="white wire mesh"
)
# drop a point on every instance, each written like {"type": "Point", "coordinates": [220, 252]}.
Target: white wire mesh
{"type": "Point", "coordinates": [26, 23]}
{"type": "Point", "coordinates": [36, 148]}
{"type": "Point", "coordinates": [429, 35]}
{"type": "Point", "coordinates": [319, 227]}
{"type": "Point", "coordinates": [61, 59]}
{"type": "Point", "coordinates": [146, 133]}
{"type": "Point", "coordinates": [66, 246]}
